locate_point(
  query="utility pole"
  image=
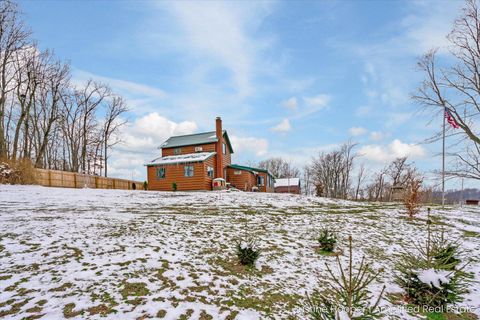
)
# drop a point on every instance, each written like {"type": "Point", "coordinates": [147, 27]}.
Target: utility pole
{"type": "Point", "coordinates": [443, 159]}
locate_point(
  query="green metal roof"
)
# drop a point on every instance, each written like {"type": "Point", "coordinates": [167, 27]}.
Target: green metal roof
{"type": "Point", "coordinates": [251, 169]}
{"type": "Point", "coordinates": [195, 139]}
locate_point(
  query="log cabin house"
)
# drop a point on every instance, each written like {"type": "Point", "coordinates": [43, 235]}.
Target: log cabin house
{"type": "Point", "coordinates": [192, 162]}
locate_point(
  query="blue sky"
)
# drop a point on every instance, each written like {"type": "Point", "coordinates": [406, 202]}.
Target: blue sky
{"type": "Point", "coordinates": [288, 79]}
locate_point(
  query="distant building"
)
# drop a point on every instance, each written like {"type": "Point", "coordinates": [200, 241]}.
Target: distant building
{"type": "Point", "coordinates": [397, 193]}
{"type": "Point", "coordinates": [288, 185]}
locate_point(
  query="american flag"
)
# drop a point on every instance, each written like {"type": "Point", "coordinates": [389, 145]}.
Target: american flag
{"type": "Point", "coordinates": [451, 119]}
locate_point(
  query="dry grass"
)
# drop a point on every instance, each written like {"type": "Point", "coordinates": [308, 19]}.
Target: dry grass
{"type": "Point", "coordinates": [20, 171]}
{"type": "Point", "coordinates": [412, 198]}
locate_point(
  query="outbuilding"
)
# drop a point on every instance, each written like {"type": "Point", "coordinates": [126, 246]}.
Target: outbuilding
{"type": "Point", "coordinates": [287, 185]}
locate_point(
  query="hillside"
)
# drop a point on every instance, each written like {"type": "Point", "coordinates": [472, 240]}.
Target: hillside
{"type": "Point", "coordinates": [135, 255]}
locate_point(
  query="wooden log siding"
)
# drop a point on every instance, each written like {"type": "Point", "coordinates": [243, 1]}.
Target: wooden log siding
{"type": "Point", "coordinates": [266, 187]}
{"type": "Point", "coordinates": [209, 147]}
{"type": "Point", "coordinates": [64, 179]}
{"type": "Point", "coordinates": [244, 181]}
{"type": "Point", "coordinates": [175, 173]}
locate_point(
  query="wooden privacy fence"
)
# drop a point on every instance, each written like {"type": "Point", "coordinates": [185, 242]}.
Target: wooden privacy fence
{"type": "Point", "coordinates": [65, 179]}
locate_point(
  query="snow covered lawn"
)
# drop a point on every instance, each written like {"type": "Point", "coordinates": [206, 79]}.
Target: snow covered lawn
{"type": "Point", "coordinates": [128, 255]}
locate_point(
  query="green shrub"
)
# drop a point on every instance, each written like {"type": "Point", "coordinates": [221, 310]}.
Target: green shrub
{"type": "Point", "coordinates": [431, 276]}
{"type": "Point", "coordinates": [345, 296]}
{"type": "Point", "coordinates": [174, 186]}
{"type": "Point", "coordinates": [145, 185]}
{"type": "Point", "coordinates": [327, 240]}
{"type": "Point", "coordinates": [247, 252]}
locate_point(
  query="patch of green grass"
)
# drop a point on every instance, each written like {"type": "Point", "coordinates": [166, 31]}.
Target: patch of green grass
{"type": "Point", "coordinates": [186, 315]}
{"type": "Point", "coordinates": [14, 308]}
{"type": "Point", "coordinates": [269, 302]}
{"type": "Point", "coordinates": [161, 313]}
{"type": "Point", "coordinates": [451, 316]}
{"type": "Point", "coordinates": [205, 316]}
{"type": "Point", "coordinates": [63, 287]}
{"type": "Point", "coordinates": [135, 289]}
{"type": "Point", "coordinates": [68, 311]}
{"type": "Point", "coordinates": [471, 234]}
{"type": "Point", "coordinates": [101, 309]}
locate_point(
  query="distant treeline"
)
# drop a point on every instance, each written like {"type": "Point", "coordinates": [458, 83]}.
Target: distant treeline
{"type": "Point", "coordinates": [44, 116]}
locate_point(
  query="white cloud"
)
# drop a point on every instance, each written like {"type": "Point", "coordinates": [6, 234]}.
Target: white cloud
{"type": "Point", "coordinates": [257, 146]}
{"type": "Point", "coordinates": [363, 111]}
{"type": "Point", "coordinates": [119, 85]}
{"type": "Point", "coordinates": [220, 33]}
{"type": "Point", "coordinates": [140, 141]}
{"type": "Point", "coordinates": [357, 131]}
{"type": "Point", "coordinates": [396, 119]}
{"type": "Point", "coordinates": [140, 97]}
{"type": "Point", "coordinates": [321, 100]}
{"type": "Point", "coordinates": [397, 148]}
{"type": "Point", "coordinates": [283, 126]}
{"type": "Point", "coordinates": [376, 135]}
{"type": "Point", "coordinates": [291, 103]}
{"type": "Point", "coordinates": [150, 131]}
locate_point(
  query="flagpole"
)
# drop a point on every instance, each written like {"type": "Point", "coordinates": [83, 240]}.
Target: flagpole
{"type": "Point", "coordinates": [443, 159]}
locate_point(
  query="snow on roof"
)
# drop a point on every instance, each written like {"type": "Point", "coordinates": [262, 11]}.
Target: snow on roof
{"type": "Point", "coordinates": [183, 158]}
{"type": "Point", "coordinates": [287, 182]}
{"type": "Point", "coordinates": [195, 139]}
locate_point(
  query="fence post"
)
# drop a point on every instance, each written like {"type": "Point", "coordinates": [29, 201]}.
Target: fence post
{"type": "Point", "coordinates": [49, 178]}
{"type": "Point", "coordinates": [74, 179]}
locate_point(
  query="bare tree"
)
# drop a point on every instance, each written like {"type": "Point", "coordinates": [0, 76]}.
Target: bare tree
{"type": "Point", "coordinates": [280, 168]}
{"type": "Point", "coordinates": [116, 108]}
{"type": "Point", "coordinates": [56, 81]}
{"type": "Point", "coordinates": [89, 98]}
{"type": "Point", "coordinates": [13, 37]}
{"type": "Point", "coordinates": [307, 180]}
{"type": "Point", "coordinates": [453, 85]}
{"type": "Point", "coordinates": [360, 180]}
{"type": "Point", "coordinates": [332, 171]}
{"type": "Point", "coordinates": [377, 188]}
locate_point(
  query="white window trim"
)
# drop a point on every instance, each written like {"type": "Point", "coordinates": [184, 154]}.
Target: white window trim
{"type": "Point", "coordinates": [185, 170]}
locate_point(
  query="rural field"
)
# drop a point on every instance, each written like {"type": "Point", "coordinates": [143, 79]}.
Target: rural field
{"type": "Point", "coordinates": [84, 253]}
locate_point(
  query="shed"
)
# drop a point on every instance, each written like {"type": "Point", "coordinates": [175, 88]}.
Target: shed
{"type": "Point", "coordinates": [287, 185]}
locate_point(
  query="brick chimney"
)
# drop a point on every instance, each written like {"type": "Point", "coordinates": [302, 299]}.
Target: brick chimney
{"type": "Point", "coordinates": [219, 147]}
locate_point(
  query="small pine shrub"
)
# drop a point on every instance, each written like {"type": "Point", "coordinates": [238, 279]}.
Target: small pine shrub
{"type": "Point", "coordinates": [145, 185]}
{"type": "Point", "coordinates": [247, 252]}
{"type": "Point", "coordinates": [431, 276]}
{"type": "Point", "coordinates": [345, 296]}
{"type": "Point", "coordinates": [174, 186]}
{"type": "Point", "coordinates": [327, 240]}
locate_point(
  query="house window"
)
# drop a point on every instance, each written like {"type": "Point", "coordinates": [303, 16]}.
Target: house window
{"type": "Point", "coordinates": [188, 171]}
{"type": "Point", "coordinates": [160, 173]}
{"type": "Point", "coordinates": [237, 172]}
{"type": "Point", "coordinates": [210, 172]}
{"type": "Point", "coordinates": [261, 181]}
{"type": "Point", "coordinates": [224, 148]}
{"type": "Point", "coordinates": [198, 149]}
{"type": "Point", "coordinates": [177, 151]}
